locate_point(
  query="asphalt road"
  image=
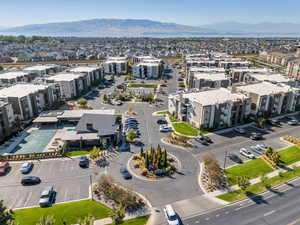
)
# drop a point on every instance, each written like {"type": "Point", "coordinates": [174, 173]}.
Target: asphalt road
{"type": "Point", "coordinates": [278, 207]}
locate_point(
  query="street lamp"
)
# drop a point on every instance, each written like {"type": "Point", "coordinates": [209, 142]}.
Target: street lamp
{"type": "Point", "coordinates": [225, 158]}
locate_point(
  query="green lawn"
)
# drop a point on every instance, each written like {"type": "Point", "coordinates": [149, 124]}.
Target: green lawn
{"type": "Point", "coordinates": [173, 119]}
{"type": "Point", "coordinates": [68, 212]}
{"type": "Point", "coordinates": [289, 155]}
{"type": "Point", "coordinates": [78, 152]}
{"type": "Point", "coordinates": [259, 187]}
{"type": "Point", "coordinates": [145, 85]}
{"type": "Point", "coordinates": [184, 128]}
{"type": "Point", "coordinates": [252, 169]}
{"type": "Point", "coordinates": [162, 112]}
{"type": "Point", "coordinates": [137, 221]}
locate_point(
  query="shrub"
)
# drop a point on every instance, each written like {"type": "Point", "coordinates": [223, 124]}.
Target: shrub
{"type": "Point", "coordinates": [136, 157]}
{"type": "Point", "coordinates": [145, 172]}
{"type": "Point", "coordinates": [136, 164]}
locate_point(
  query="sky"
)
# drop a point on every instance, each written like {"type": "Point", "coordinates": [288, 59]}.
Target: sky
{"type": "Point", "coordinates": [188, 12]}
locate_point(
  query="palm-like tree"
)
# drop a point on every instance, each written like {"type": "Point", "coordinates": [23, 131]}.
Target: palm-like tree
{"type": "Point", "coordinates": [88, 220]}
{"type": "Point", "coordinates": [46, 220]}
{"type": "Point", "coordinates": [5, 213]}
{"type": "Point", "coordinates": [117, 214]}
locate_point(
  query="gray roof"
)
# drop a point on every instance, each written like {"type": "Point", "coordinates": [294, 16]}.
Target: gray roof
{"type": "Point", "coordinates": [102, 124]}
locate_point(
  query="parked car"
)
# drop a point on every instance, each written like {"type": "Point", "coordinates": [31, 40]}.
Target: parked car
{"type": "Point", "coordinates": [256, 150]}
{"type": "Point", "coordinates": [164, 128]}
{"type": "Point", "coordinates": [30, 180]}
{"type": "Point", "coordinates": [201, 140]}
{"type": "Point", "coordinates": [203, 137]}
{"type": "Point", "coordinates": [162, 121]}
{"type": "Point", "coordinates": [47, 197]}
{"type": "Point", "coordinates": [4, 167]}
{"type": "Point", "coordinates": [274, 122]}
{"type": "Point", "coordinates": [170, 215]}
{"type": "Point", "coordinates": [119, 102]}
{"type": "Point", "coordinates": [234, 158]}
{"type": "Point", "coordinates": [256, 136]}
{"type": "Point", "coordinates": [125, 173]}
{"type": "Point", "coordinates": [293, 122]}
{"type": "Point", "coordinates": [239, 130]}
{"type": "Point", "coordinates": [245, 152]}
{"type": "Point", "coordinates": [83, 161]}
{"type": "Point", "coordinates": [26, 167]}
{"type": "Point", "coordinates": [261, 146]}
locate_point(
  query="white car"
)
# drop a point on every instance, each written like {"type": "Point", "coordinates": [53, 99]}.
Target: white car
{"type": "Point", "coordinates": [247, 153]}
{"type": "Point", "coordinates": [164, 128]}
{"type": "Point", "coordinates": [239, 130]}
{"type": "Point", "coordinates": [170, 215]}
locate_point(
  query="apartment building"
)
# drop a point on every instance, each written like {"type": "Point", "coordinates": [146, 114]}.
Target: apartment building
{"type": "Point", "coordinates": [293, 69]}
{"type": "Point", "coordinates": [202, 81]}
{"type": "Point", "coordinates": [138, 59]}
{"type": "Point", "coordinates": [270, 99]}
{"type": "Point", "coordinates": [13, 77]}
{"type": "Point", "coordinates": [93, 74]}
{"type": "Point", "coordinates": [147, 70]}
{"type": "Point", "coordinates": [233, 63]}
{"type": "Point", "coordinates": [70, 84]}
{"type": "Point", "coordinates": [272, 77]}
{"type": "Point", "coordinates": [211, 109]}
{"type": "Point", "coordinates": [7, 120]}
{"type": "Point", "coordinates": [239, 75]}
{"type": "Point", "coordinates": [190, 74]}
{"type": "Point", "coordinates": [201, 63]}
{"type": "Point", "coordinates": [116, 65]}
{"type": "Point", "coordinates": [28, 100]}
{"type": "Point", "coordinates": [42, 70]}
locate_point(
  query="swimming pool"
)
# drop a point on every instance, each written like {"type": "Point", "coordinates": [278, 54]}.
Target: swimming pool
{"type": "Point", "coordinates": [36, 141]}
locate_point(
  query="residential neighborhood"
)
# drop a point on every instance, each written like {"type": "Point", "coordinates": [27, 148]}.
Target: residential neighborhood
{"type": "Point", "coordinates": [149, 113]}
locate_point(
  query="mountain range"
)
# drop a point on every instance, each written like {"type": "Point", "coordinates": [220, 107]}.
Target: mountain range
{"type": "Point", "coordinates": [143, 27]}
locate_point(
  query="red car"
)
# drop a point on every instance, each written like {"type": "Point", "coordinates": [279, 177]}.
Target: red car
{"type": "Point", "coordinates": [4, 166]}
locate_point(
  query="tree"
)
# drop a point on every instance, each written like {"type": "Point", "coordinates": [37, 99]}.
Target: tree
{"type": "Point", "coordinates": [142, 154]}
{"type": "Point", "coordinates": [214, 170]}
{"type": "Point", "coordinates": [164, 159]}
{"type": "Point", "coordinates": [131, 135]}
{"type": "Point", "coordinates": [130, 110]}
{"type": "Point", "coordinates": [105, 98]}
{"type": "Point", "coordinates": [5, 213]}
{"type": "Point", "coordinates": [264, 180]}
{"type": "Point", "coordinates": [243, 182]}
{"type": "Point", "coordinates": [261, 122]}
{"type": "Point", "coordinates": [82, 102]}
{"type": "Point", "coordinates": [118, 119]}
{"type": "Point", "coordinates": [46, 220]}
{"type": "Point", "coordinates": [272, 155]}
{"type": "Point", "coordinates": [147, 163]}
{"type": "Point", "coordinates": [88, 220]}
{"type": "Point", "coordinates": [118, 214]}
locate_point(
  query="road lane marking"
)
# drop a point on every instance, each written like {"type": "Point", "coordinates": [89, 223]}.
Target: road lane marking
{"type": "Point", "coordinates": [269, 213]}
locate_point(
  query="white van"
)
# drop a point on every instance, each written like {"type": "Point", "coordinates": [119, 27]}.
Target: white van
{"type": "Point", "coordinates": [171, 215]}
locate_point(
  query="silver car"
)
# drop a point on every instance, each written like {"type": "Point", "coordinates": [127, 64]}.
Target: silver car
{"type": "Point", "coordinates": [26, 167]}
{"type": "Point", "coordinates": [46, 197]}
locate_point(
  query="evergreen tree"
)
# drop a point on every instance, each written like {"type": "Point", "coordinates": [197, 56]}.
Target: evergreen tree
{"type": "Point", "coordinates": [147, 160]}
{"type": "Point", "coordinates": [165, 159]}
{"type": "Point", "coordinates": [142, 154]}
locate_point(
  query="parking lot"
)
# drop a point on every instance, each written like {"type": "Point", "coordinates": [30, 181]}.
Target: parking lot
{"type": "Point", "coordinates": [70, 182]}
{"type": "Point", "coordinates": [232, 142]}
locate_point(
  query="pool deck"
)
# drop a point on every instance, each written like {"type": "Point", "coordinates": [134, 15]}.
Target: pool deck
{"type": "Point", "coordinates": [55, 142]}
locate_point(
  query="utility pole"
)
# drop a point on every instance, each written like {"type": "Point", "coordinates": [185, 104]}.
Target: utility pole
{"type": "Point", "coordinates": [225, 158]}
{"type": "Point", "coordinates": [91, 186]}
